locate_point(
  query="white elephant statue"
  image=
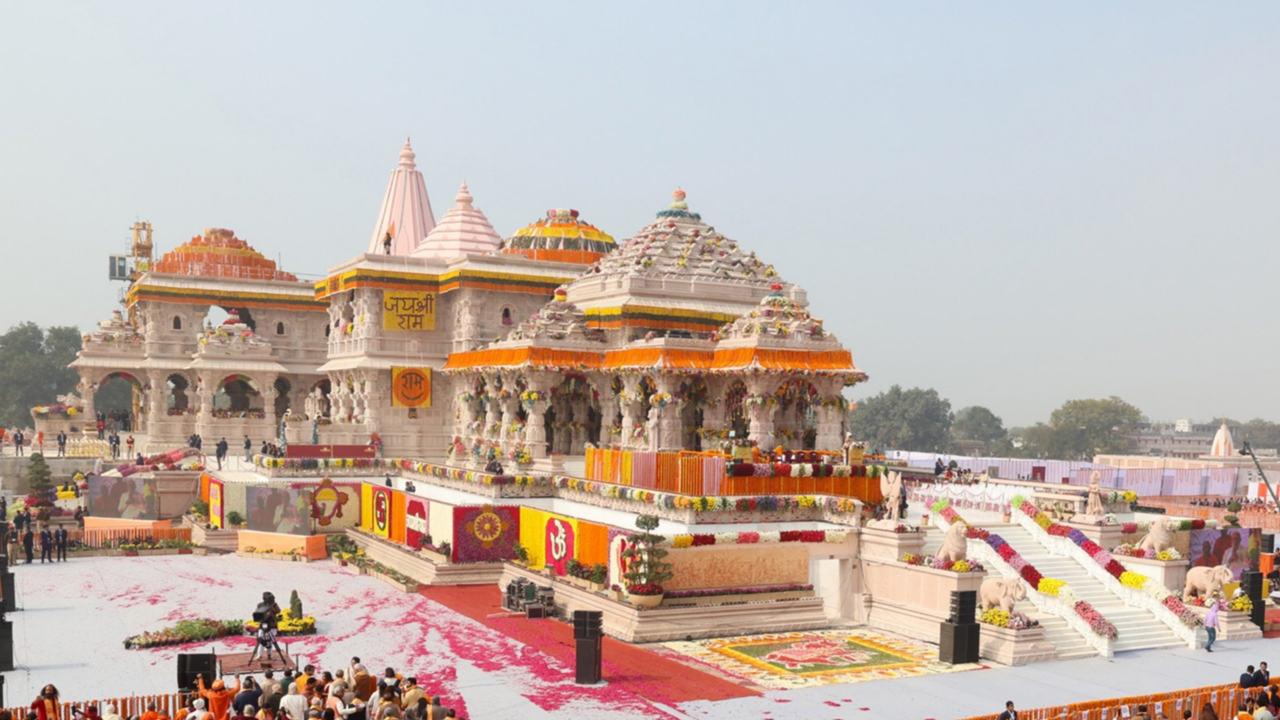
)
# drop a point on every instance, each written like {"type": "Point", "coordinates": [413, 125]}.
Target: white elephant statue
{"type": "Point", "coordinates": [1159, 537]}
{"type": "Point", "coordinates": [1207, 581]}
{"type": "Point", "coordinates": [1001, 593]}
{"type": "Point", "coordinates": [954, 545]}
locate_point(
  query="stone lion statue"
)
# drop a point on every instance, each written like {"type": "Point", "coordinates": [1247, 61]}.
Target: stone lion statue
{"type": "Point", "coordinates": [954, 546]}
{"type": "Point", "coordinates": [1206, 581]}
{"type": "Point", "coordinates": [1159, 537]}
{"type": "Point", "coordinates": [1001, 593]}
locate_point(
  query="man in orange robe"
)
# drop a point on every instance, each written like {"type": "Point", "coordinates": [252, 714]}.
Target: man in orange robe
{"type": "Point", "coordinates": [218, 697]}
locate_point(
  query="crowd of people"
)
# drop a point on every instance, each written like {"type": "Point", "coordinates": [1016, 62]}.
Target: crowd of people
{"type": "Point", "coordinates": [345, 694]}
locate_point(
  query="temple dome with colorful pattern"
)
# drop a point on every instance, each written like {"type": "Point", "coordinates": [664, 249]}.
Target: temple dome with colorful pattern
{"type": "Point", "coordinates": [561, 237]}
{"type": "Point", "coordinates": [219, 253]}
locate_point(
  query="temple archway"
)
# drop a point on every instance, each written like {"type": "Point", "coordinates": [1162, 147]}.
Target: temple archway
{"type": "Point", "coordinates": [795, 422]}
{"type": "Point", "coordinates": [179, 402]}
{"type": "Point", "coordinates": [736, 415]}
{"type": "Point", "coordinates": [118, 397]}
{"type": "Point", "coordinates": [324, 386]}
{"type": "Point", "coordinates": [237, 396]}
{"type": "Point", "coordinates": [282, 403]}
{"type": "Point", "coordinates": [695, 394]}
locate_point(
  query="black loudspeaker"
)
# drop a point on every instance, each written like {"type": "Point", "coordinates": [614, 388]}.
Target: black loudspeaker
{"type": "Point", "coordinates": [1268, 543]}
{"type": "Point", "coordinates": [587, 624]}
{"type": "Point", "coordinates": [587, 670]}
{"type": "Point", "coordinates": [192, 665]}
{"type": "Point", "coordinates": [958, 643]}
{"type": "Point", "coordinates": [1251, 584]}
{"type": "Point", "coordinates": [10, 600]}
{"type": "Point", "coordinates": [963, 605]}
{"type": "Point", "coordinates": [6, 645]}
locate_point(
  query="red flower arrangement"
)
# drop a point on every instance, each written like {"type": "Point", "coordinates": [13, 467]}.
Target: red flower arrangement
{"type": "Point", "coordinates": [1115, 568]}
{"type": "Point", "coordinates": [1006, 552]}
{"type": "Point", "coordinates": [1031, 575]}
{"type": "Point", "coordinates": [1197, 524]}
{"type": "Point", "coordinates": [790, 536]}
{"type": "Point", "coordinates": [1090, 547]}
{"type": "Point", "coordinates": [1129, 528]}
{"type": "Point", "coordinates": [1059, 530]}
{"type": "Point", "coordinates": [703, 539]}
{"type": "Point", "coordinates": [645, 589]}
{"type": "Point", "coordinates": [813, 536]}
{"type": "Point", "coordinates": [977, 533]}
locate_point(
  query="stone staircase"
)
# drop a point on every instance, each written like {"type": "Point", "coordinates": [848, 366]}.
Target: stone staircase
{"type": "Point", "coordinates": [1137, 629]}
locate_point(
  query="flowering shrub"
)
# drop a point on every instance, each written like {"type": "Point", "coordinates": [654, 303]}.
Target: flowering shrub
{"type": "Point", "coordinates": [185, 631]}
{"type": "Point", "coordinates": [936, 563]}
{"type": "Point", "coordinates": [1097, 623]}
{"type": "Point", "coordinates": [1012, 620]}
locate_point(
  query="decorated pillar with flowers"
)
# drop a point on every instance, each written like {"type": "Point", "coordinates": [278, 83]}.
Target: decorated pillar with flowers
{"type": "Point", "coordinates": [535, 401]}
{"type": "Point", "coordinates": [634, 413]}
{"type": "Point", "coordinates": [666, 404]}
{"type": "Point", "coordinates": [760, 404]}
{"type": "Point", "coordinates": [492, 407]}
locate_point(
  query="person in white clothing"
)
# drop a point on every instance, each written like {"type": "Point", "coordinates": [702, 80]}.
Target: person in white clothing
{"type": "Point", "coordinates": [294, 704]}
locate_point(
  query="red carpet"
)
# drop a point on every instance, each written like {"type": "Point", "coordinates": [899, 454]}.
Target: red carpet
{"type": "Point", "coordinates": [633, 669]}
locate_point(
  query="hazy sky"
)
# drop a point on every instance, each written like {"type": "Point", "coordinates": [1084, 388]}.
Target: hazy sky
{"type": "Point", "coordinates": [1014, 203]}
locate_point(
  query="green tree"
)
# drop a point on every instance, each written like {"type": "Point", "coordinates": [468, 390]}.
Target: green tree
{"type": "Point", "coordinates": [1258, 432]}
{"type": "Point", "coordinates": [33, 369]}
{"type": "Point", "coordinates": [978, 424]}
{"type": "Point", "coordinates": [914, 419]}
{"type": "Point", "coordinates": [40, 478]}
{"type": "Point", "coordinates": [1081, 429]}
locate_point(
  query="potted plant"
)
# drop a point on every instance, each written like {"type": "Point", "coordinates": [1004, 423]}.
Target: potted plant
{"type": "Point", "coordinates": [522, 554]}
{"type": "Point", "coordinates": [646, 570]}
{"type": "Point", "coordinates": [615, 592]}
{"type": "Point", "coordinates": [599, 573]}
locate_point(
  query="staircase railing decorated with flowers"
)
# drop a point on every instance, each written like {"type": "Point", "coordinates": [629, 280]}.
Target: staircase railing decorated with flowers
{"type": "Point", "coordinates": [1049, 595]}
{"type": "Point", "coordinates": [1135, 589]}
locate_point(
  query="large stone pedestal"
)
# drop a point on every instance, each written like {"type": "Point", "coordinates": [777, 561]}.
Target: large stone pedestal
{"type": "Point", "coordinates": [888, 545]}
{"type": "Point", "coordinates": [909, 599]}
{"type": "Point", "coordinates": [1170, 573]}
{"type": "Point", "coordinates": [1016, 647]}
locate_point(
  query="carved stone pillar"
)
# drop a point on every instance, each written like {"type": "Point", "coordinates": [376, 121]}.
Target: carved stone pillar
{"type": "Point", "coordinates": [157, 402]}
{"type": "Point", "coordinates": [760, 406]}
{"type": "Point", "coordinates": [493, 408]}
{"type": "Point", "coordinates": [667, 434]}
{"type": "Point", "coordinates": [633, 411]}
{"type": "Point", "coordinates": [535, 429]}
{"type": "Point", "coordinates": [509, 418]}
{"type": "Point", "coordinates": [87, 390]}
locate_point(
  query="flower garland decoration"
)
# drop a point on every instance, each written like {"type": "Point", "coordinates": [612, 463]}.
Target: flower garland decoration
{"type": "Point", "coordinates": [752, 538]}
{"type": "Point", "coordinates": [936, 563]}
{"type": "Point", "coordinates": [1113, 567]}
{"type": "Point", "coordinates": [1097, 623]}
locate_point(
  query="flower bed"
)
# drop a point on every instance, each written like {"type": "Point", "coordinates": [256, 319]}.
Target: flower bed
{"type": "Point", "coordinates": [186, 631]}
{"type": "Point", "coordinates": [345, 551]}
{"type": "Point", "coordinates": [1108, 563]}
{"type": "Point", "coordinates": [751, 538]}
{"type": "Point", "coordinates": [287, 624]}
{"type": "Point", "coordinates": [930, 561]}
{"type": "Point", "coordinates": [473, 476]}
{"type": "Point", "coordinates": [1127, 550]}
{"type": "Point", "coordinates": [317, 463]}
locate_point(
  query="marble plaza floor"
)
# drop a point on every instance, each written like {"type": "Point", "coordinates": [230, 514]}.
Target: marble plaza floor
{"type": "Point", "coordinates": [76, 615]}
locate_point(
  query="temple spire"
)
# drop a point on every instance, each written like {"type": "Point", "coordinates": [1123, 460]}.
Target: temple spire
{"type": "Point", "coordinates": [406, 215]}
{"type": "Point", "coordinates": [463, 230]}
